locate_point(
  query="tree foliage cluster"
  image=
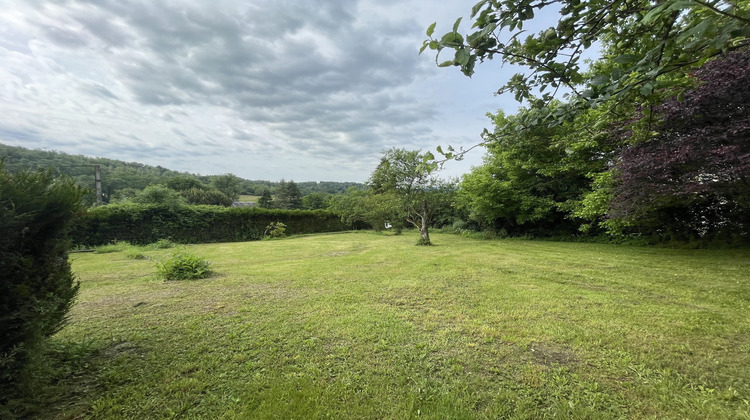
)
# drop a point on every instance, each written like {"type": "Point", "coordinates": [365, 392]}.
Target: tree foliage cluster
{"type": "Point", "coordinates": [37, 286]}
{"type": "Point", "coordinates": [650, 140]}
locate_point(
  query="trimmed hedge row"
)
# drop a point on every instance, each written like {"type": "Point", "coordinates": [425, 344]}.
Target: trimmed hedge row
{"type": "Point", "coordinates": [144, 224]}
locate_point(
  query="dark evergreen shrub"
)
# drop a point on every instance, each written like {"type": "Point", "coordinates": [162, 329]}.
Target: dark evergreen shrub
{"type": "Point", "coordinates": [37, 286]}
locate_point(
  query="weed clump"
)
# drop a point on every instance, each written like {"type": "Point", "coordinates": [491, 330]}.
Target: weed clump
{"type": "Point", "coordinates": [134, 254]}
{"type": "Point", "coordinates": [183, 266]}
{"type": "Point", "coordinates": [162, 244]}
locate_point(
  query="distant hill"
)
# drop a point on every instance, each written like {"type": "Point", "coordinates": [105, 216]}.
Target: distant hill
{"type": "Point", "coordinates": [118, 175]}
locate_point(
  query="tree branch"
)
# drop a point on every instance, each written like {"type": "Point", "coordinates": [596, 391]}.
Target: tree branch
{"type": "Point", "coordinates": [722, 12]}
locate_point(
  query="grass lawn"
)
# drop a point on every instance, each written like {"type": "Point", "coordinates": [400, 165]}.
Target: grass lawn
{"type": "Point", "coordinates": [364, 325]}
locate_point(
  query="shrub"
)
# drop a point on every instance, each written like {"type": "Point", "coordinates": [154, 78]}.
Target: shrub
{"type": "Point", "coordinates": [183, 266]}
{"type": "Point", "coordinates": [275, 230]}
{"type": "Point", "coordinates": [37, 287]}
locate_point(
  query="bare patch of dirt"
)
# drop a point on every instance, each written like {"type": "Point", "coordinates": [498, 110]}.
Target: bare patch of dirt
{"type": "Point", "coordinates": [549, 354]}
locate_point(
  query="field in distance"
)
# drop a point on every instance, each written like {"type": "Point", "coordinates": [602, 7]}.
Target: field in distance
{"type": "Point", "coordinates": [366, 325]}
{"type": "Point", "coordinates": [248, 198]}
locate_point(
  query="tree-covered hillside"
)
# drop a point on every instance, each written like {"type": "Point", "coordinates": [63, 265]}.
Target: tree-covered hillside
{"type": "Point", "coordinates": [119, 176]}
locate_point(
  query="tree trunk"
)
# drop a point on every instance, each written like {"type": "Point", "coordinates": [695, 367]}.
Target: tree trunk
{"type": "Point", "coordinates": [423, 229]}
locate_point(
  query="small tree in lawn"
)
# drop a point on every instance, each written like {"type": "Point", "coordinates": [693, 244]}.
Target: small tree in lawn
{"type": "Point", "coordinates": [408, 175]}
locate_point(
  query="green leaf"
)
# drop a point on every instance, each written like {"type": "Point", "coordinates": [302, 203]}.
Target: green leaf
{"type": "Point", "coordinates": [462, 56]}
{"type": "Point", "coordinates": [446, 63]}
{"type": "Point", "coordinates": [452, 38]}
{"type": "Point", "coordinates": [654, 13]}
{"type": "Point", "coordinates": [468, 68]}
{"type": "Point", "coordinates": [455, 25]}
{"type": "Point", "coordinates": [647, 88]}
{"type": "Point", "coordinates": [431, 29]}
{"type": "Point", "coordinates": [475, 9]}
{"type": "Point", "coordinates": [625, 58]}
{"type": "Point", "coordinates": [599, 80]}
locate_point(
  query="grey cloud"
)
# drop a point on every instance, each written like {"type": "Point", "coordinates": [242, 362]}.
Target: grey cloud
{"type": "Point", "coordinates": [19, 134]}
{"type": "Point", "coordinates": [98, 90]}
{"type": "Point", "coordinates": [64, 37]}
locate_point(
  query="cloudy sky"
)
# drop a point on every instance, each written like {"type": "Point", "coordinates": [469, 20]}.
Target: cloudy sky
{"type": "Point", "coordinates": [308, 90]}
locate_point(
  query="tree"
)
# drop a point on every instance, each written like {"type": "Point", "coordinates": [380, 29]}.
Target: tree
{"type": "Point", "coordinates": [37, 286]}
{"type": "Point", "coordinates": [359, 205]}
{"type": "Point", "coordinates": [229, 184]}
{"type": "Point", "coordinates": [693, 178]}
{"type": "Point", "coordinates": [159, 195]}
{"type": "Point", "coordinates": [535, 175]}
{"type": "Point", "coordinates": [316, 201]}
{"type": "Point", "coordinates": [650, 45]}
{"type": "Point", "coordinates": [265, 201]}
{"type": "Point", "coordinates": [408, 175]}
{"type": "Point", "coordinates": [288, 196]}
{"type": "Point", "coordinates": [184, 182]}
{"type": "Point", "coordinates": [206, 196]}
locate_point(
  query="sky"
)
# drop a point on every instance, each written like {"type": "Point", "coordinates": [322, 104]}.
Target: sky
{"type": "Point", "coordinates": [299, 90]}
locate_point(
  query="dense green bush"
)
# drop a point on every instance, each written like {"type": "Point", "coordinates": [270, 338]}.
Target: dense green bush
{"type": "Point", "coordinates": [183, 265]}
{"type": "Point", "coordinates": [37, 286]}
{"type": "Point", "coordinates": [144, 224]}
{"type": "Point", "coordinates": [276, 230]}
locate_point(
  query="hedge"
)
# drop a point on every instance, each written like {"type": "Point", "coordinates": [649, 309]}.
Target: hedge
{"type": "Point", "coordinates": [143, 224]}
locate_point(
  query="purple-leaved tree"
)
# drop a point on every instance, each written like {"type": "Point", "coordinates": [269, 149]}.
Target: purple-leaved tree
{"type": "Point", "coordinates": [693, 178]}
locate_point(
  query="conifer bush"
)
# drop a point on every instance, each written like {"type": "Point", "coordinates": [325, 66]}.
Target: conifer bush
{"type": "Point", "coordinates": [37, 287]}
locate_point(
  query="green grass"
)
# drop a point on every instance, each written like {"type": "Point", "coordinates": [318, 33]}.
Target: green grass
{"type": "Point", "coordinates": [249, 198]}
{"type": "Point", "coordinates": [361, 325]}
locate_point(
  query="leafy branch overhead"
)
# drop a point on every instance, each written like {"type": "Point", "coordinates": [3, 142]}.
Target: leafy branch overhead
{"type": "Point", "coordinates": [648, 46]}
